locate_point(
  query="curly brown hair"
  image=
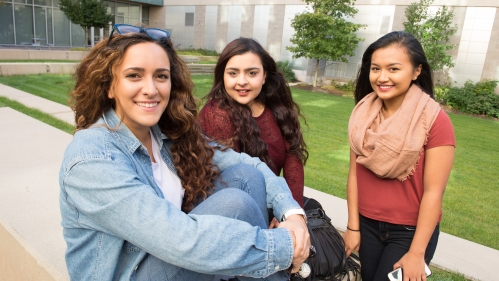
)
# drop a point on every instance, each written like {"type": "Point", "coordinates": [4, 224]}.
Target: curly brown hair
{"type": "Point", "coordinates": [192, 155]}
{"type": "Point", "coordinates": [275, 95]}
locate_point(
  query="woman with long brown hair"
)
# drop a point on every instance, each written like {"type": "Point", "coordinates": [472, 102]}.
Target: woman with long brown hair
{"type": "Point", "coordinates": [144, 196]}
{"type": "Point", "coordinates": [250, 108]}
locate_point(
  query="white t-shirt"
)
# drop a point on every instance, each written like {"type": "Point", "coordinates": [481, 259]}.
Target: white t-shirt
{"type": "Point", "coordinates": [168, 182]}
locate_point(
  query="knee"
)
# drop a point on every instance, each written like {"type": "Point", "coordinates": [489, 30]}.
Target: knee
{"type": "Point", "coordinates": [237, 204]}
{"type": "Point", "coordinates": [244, 173]}
{"type": "Point", "coordinates": [233, 200]}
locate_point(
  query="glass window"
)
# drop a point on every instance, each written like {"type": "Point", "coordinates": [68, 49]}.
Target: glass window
{"type": "Point", "coordinates": [55, 3]}
{"type": "Point", "coordinates": [145, 16]}
{"type": "Point", "coordinates": [134, 14]}
{"type": "Point", "coordinates": [40, 26]}
{"type": "Point", "coordinates": [43, 2]}
{"type": "Point", "coordinates": [110, 7]}
{"type": "Point", "coordinates": [122, 13]}
{"type": "Point", "coordinates": [24, 24]}
{"type": "Point", "coordinates": [78, 36]}
{"type": "Point", "coordinates": [6, 22]}
{"type": "Point", "coordinates": [189, 19]}
{"type": "Point", "coordinates": [20, 1]}
{"type": "Point", "coordinates": [61, 28]}
{"type": "Point", "coordinates": [50, 33]}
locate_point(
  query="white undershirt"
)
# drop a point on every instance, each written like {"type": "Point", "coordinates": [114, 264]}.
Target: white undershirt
{"type": "Point", "coordinates": [168, 182]}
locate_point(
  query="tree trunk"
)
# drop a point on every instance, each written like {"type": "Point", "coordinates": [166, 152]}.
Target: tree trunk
{"type": "Point", "coordinates": [316, 71]}
{"type": "Point", "coordinates": [85, 43]}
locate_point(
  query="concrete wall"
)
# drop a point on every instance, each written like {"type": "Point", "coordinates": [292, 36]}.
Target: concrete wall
{"type": "Point", "coordinates": [9, 69]}
{"type": "Point", "coordinates": [16, 54]}
{"type": "Point", "coordinates": [475, 3]}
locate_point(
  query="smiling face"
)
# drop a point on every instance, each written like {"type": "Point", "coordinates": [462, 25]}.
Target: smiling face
{"type": "Point", "coordinates": [244, 77]}
{"type": "Point", "coordinates": [392, 73]}
{"type": "Point", "coordinates": [142, 87]}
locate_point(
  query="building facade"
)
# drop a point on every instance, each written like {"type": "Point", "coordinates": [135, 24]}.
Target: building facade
{"type": "Point", "coordinates": [211, 24]}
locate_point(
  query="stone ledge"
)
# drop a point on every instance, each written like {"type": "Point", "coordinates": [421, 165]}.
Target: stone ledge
{"type": "Point", "coordinates": [9, 69]}
{"type": "Point", "coordinates": [19, 261]}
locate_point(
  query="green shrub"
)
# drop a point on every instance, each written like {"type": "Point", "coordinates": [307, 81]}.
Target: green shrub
{"type": "Point", "coordinates": [197, 52]}
{"type": "Point", "coordinates": [283, 66]}
{"type": "Point", "coordinates": [80, 49]}
{"type": "Point", "coordinates": [348, 86]}
{"type": "Point", "coordinates": [441, 91]}
{"type": "Point", "coordinates": [476, 98]}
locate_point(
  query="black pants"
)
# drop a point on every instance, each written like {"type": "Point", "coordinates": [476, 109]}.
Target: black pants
{"type": "Point", "coordinates": [382, 244]}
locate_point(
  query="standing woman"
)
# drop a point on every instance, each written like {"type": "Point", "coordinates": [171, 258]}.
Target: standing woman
{"type": "Point", "coordinates": [144, 196]}
{"type": "Point", "coordinates": [402, 150]}
{"type": "Point", "coordinates": [250, 108]}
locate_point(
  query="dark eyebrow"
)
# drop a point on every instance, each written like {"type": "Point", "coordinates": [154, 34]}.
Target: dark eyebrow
{"type": "Point", "coordinates": [247, 69]}
{"type": "Point", "coordinates": [391, 64]}
{"type": "Point", "coordinates": [135, 68]}
{"type": "Point", "coordinates": [142, 69]}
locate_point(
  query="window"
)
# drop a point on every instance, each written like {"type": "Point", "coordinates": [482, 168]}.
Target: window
{"type": "Point", "coordinates": [189, 19]}
{"type": "Point", "coordinates": [145, 15]}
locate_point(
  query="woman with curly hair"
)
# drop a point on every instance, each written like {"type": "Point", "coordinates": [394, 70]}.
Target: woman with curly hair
{"type": "Point", "coordinates": [250, 108]}
{"type": "Point", "coordinates": [145, 196]}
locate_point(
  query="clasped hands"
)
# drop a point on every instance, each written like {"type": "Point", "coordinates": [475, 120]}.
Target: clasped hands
{"type": "Point", "coordinates": [301, 239]}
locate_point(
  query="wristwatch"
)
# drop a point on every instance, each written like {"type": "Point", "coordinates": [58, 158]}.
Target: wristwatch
{"type": "Point", "coordinates": [294, 212]}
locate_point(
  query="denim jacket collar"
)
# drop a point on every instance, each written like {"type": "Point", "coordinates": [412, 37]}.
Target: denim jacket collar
{"type": "Point", "coordinates": [112, 121]}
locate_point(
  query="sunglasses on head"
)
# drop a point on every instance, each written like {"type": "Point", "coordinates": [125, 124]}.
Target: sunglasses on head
{"type": "Point", "coordinates": [154, 33]}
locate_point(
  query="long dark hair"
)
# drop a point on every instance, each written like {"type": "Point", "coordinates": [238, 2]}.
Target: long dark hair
{"type": "Point", "coordinates": [275, 95]}
{"type": "Point", "coordinates": [414, 51]}
{"type": "Point", "coordinates": [191, 154]}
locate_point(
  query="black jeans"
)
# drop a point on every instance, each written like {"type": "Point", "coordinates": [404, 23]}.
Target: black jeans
{"type": "Point", "coordinates": [382, 244]}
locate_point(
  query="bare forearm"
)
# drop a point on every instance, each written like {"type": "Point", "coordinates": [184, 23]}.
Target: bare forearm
{"type": "Point", "coordinates": [429, 212]}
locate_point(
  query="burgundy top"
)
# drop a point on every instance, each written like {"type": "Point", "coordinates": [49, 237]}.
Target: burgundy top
{"type": "Point", "coordinates": [391, 200]}
{"type": "Point", "coordinates": [216, 123]}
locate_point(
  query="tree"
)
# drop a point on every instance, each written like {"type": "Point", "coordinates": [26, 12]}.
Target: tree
{"type": "Point", "coordinates": [86, 13]}
{"type": "Point", "coordinates": [433, 32]}
{"type": "Point", "coordinates": [325, 33]}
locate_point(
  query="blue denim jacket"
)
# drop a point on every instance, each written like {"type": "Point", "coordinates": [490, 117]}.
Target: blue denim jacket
{"type": "Point", "coordinates": [113, 213]}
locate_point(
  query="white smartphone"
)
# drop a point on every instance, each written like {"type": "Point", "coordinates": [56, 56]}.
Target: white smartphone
{"type": "Point", "coordinates": [397, 275]}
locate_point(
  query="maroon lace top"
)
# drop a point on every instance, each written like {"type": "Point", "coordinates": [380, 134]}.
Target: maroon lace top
{"type": "Point", "coordinates": [216, 123]}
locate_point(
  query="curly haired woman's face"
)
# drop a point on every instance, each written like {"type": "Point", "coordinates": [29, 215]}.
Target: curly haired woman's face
{"type": "Point", "coordinates": [244, 77]}
{"type": "Point", "coordinates": [392, 73]}
{"type": "Point", "coordinates": [143, 86]}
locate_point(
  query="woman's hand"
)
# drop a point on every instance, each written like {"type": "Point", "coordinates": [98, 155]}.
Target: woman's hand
{"type": "Point", "coordinates": [413, 266]}
{"type": "Point", "coordinates": [352, 241]}
{"type": "Point", "coordinates": [274, 223]}
{"type": "Point", "coordinates": [301, 239]}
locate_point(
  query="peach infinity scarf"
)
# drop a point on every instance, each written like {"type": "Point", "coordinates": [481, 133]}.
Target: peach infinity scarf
{"type": "Point", "coordinates": [391, 147]}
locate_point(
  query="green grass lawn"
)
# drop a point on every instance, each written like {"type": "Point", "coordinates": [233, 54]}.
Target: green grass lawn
{"type": "Point", "coordinates": [37, 114]}
{"type": "Point", "coordinates": [471, 202]}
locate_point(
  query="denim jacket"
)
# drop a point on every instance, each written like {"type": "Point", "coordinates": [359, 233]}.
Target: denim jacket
{"type": "Point", "coordinates": [113, 213]}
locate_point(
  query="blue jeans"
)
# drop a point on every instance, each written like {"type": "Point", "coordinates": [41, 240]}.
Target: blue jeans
{"type": "Point", "coordinates": [239, 193]}
{"type": "Point", "coordinates": [382, 244]}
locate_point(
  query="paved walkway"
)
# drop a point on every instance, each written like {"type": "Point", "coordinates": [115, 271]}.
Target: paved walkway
{"type": "Point", "coordinates": [31, 152]}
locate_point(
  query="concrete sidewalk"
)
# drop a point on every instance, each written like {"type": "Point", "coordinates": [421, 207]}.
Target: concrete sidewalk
{"type": "Point", "coordinates": [30, 154]}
